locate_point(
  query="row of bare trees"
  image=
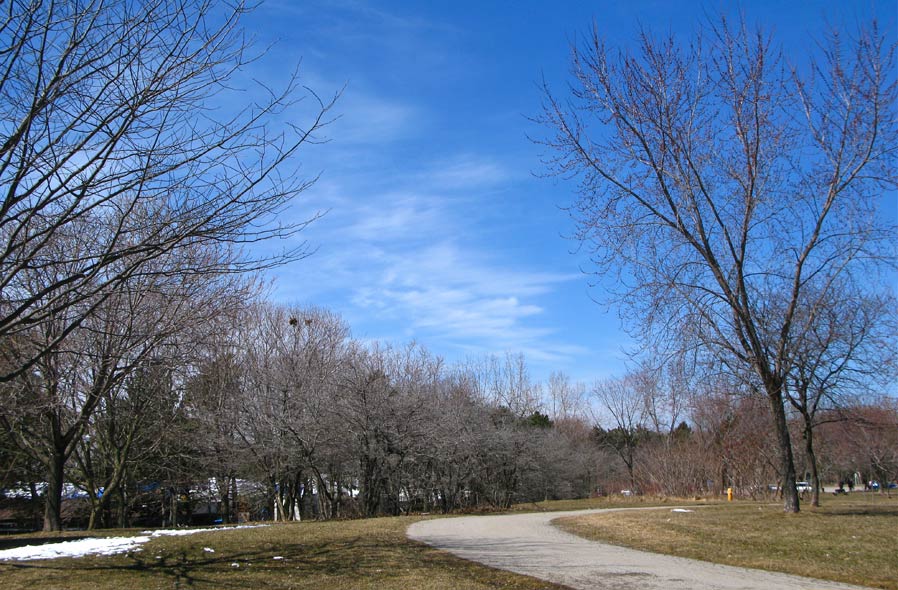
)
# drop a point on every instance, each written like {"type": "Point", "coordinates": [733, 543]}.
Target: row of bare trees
{"type": "Point", "coordinates": [281, 414]}
{"type": "Point", "coordinates": [276, 412]}
{"type": "Point", "coordinates": [668, 436]}
{"type": "Point", "coordinates": [335, 428]}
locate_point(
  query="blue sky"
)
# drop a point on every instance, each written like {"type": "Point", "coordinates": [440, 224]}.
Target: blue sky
{"type": "Point", "coordinates": [439, 228]}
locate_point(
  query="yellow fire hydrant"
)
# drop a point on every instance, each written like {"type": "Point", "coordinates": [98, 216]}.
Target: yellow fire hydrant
{"type": "Point", "coordinates": [729, 494]}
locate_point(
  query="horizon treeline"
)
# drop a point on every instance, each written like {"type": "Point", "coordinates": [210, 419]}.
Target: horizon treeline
{"type": "Point", "coordinates": [278, 413]}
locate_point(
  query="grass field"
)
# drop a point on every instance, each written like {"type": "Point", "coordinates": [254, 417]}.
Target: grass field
{"type": "Point", "coordinates": [322, 556]}
{"type": "Point", "coordinates": [848, 539]}
{"type": "Point", "coordinates": [609, 502]}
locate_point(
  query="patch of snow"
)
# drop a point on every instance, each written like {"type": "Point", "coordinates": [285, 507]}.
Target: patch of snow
{"type": "Point", "coordinates": [277, 557]}
{"type": "Point", "coordinates": [79, 548]}
{"type": "Point", "coordinates": [103, 545]}
{"type": "Point", "coordinates": [183, 532]}
{"type": "Point", "coordinates": [681, 510]}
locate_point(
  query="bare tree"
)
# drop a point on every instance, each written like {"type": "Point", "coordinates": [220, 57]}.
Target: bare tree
{"type": "Point", "coordinates": [506, 382]}
{"type": "Point", "coordinates": [294, 358]}
{"type": "Point", "coordinates": [381, 418]}
{"type": "Point", "coordinates": [114, 153]}
{"type": "Point", "coordinates": [846, 355]}
{"type": "Point", "coordinates": [216, 393]}
{"type": "Point", "coordinates": [665, 391]}
{"type": "Point", "coordinates": [622, 401]}
{"type": "Point", "coordinates": [714, 177]}
{"type": "Point", "coordinates": [49, 408]}
{"type": "Point", "coordinates": [451, 459]}
{"type": "Point", "coordinates": [124, 431]}
{"type": "Point", "coordinates": [565, 400]}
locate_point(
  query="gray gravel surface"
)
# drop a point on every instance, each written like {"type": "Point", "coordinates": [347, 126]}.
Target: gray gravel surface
{"type": "Point", "coordinates": [529, 544]}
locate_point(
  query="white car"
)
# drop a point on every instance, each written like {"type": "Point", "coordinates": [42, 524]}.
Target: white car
{"type": "Point", "coordinates": [803, 486]}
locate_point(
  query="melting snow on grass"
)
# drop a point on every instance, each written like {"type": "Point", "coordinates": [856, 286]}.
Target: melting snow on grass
{"type": "Point", "coordinates": [101, 545]}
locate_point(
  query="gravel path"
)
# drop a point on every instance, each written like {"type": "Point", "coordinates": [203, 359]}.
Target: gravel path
{"type": "Point", "coordinates": [528, 544]}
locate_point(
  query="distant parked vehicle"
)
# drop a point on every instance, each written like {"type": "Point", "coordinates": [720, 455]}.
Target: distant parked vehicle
{"type": "Point", "coordinates": [803, 486]}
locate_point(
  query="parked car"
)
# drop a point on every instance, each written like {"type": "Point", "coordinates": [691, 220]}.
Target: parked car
{"type": "Point", "coordinates": [803, 486]}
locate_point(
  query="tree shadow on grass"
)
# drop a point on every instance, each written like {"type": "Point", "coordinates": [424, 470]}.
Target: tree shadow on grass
{"type": "Point", "coordinates": [348, 561]}
{"type": "Point", "coordinates": [187, 569]}
{"type": "Point", "coordinates": [861, 511]}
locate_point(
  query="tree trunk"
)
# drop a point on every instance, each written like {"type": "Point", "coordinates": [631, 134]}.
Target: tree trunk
{"type": "Point", "coordinates": [124, 516]}
{"type": "Point", "coordinates": [53, 498]}
{"type": "Point", "coordinates": [631, 472]}
{"type": "Point", "coordinates": [279, 513]}
{"type": "Point", "coordinates": [188, 518]}
{"type": "Point", "coordinates": [235, 507]}
{"type": "Point", "coordinates": [35, 505]}
{"type": "Point", "coordinates": [95, 514]}
{"type": "Point", "coordinates": [784, 444]}
{"type": "Point", "coordinates": [371, 488]}
{"type": "Point", "coordinates": [724, 475]}
{"type": "Point", "coordinates": [224, 497]}
{"type": "Point", "coordinates": [812, 461]}
{"type": "Point", "coordinates": [174, 507]}
{"type": "Point", "coordinates": [102, 503]}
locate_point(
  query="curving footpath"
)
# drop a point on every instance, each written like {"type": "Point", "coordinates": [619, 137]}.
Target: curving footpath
{"type": "Point", "coordinates": [528, 544]}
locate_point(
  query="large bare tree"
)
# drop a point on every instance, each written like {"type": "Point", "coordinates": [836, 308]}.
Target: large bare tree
{"type": "Point", "coordinates": [847, 356]}
{"type": "Point", "coordinates": [716, 177]}
{"type": "Point", "coordinates": [125, 136]}
{"type": "Point", "coordinates": [50, 408]}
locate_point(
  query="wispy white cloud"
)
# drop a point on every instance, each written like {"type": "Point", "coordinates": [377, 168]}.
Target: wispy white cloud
{"type": "Point", "coordinates": [370, 119]}
{"type": "Point", "coordinates": [434, 229]}
{"type": "Point", "coordinates": [464, 293]}
{"type": "Point", "coordinates": [397, 259]}
{"type": "Point", "coordinates": [410, 245]}
{"type": "Point", "coordinates": [396, 217]}
{"type": "Point", "coordinates": [463, 172]}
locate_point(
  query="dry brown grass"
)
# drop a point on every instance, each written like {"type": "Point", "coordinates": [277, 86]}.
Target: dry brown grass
{"type": "Point", "coordinates": [848, 539]}
{"type": "Point", "coordinates": [329, 555]}
{"type": "Point", "coordinates": [610, 502]}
